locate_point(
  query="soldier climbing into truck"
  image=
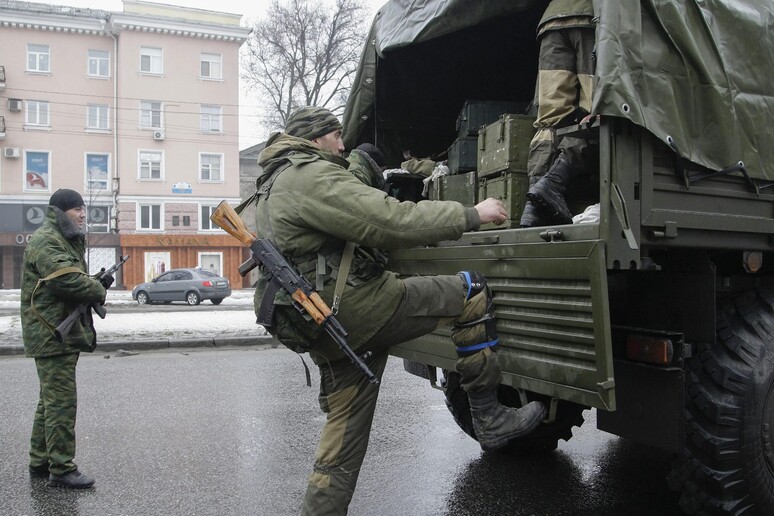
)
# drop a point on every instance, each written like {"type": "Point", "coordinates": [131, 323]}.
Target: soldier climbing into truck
{"type": "Point", "coordinates": [659, 313]}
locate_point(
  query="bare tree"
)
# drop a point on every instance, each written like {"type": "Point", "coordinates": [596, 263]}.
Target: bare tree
{"type": "Point", "coordinates": [304, 53]}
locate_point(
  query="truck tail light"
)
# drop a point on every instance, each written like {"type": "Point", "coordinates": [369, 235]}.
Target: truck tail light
{"type": "Point", "coordinates": [649, 349]}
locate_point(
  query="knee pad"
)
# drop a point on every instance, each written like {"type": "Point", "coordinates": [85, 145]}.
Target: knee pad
{"type": "Point", "coordinates": [475, 281]}
{"type": "Point", "coordinates": [469, 339]}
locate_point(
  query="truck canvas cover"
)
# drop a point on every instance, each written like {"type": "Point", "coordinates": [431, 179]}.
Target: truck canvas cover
{"type": "Point", "coordinates": [697, 74]}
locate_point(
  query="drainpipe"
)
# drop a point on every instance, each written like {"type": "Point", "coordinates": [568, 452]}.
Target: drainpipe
{"type": "Point", "coordinates": [114, 183]}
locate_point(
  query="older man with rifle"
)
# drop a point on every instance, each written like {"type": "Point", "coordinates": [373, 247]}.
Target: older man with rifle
{"type": "Point", "coordinates": [324, 216]}
{"type": "Point", "coordinates": [54, 283]}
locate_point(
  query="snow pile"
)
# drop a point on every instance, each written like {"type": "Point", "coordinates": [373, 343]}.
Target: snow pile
{"type": "Point", "coordinates": [147, 323]}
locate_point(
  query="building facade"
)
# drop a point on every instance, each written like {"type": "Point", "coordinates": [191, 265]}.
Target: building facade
{"type": "Point", "coordinates": [138, 110]}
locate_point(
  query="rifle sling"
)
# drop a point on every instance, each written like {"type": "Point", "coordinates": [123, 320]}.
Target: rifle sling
{"type": "Point", "coordinates": [341, 277]}
{"type": "Point", "coordinates": [55, 274]}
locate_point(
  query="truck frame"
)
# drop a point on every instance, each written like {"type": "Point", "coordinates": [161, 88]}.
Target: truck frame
{"type": "Point", "coordinates": [660, 315]}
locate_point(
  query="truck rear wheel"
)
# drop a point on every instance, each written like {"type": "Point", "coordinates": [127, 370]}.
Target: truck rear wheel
{"type": "Point", "coordinates": [728, 467]}
{"type": "Point", "coordinates": [545, 438]}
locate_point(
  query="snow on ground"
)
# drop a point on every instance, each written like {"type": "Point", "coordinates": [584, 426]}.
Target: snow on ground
{"type": "Point", "coordinates": [150, 324]}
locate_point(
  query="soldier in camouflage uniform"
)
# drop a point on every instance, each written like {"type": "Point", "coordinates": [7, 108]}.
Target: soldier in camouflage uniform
{"type": "Point", "coordinates": [564, 94]}
{"type": "Point", "coordinates": [310, 203]}
{"type": "Point", "coordinates": [54, 283]}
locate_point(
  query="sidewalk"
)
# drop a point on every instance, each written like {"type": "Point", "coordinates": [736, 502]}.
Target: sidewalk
{"type": "Point", "coordinates": [149, 329]}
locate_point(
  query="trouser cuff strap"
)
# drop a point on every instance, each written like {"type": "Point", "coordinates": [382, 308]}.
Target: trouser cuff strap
{"type": "Point", "coordinates": [475, 348]}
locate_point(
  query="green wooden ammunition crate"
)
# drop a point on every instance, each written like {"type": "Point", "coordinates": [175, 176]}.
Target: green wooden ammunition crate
{"type": "Point", "coordinates": [510, 187]}
{"type": "Point", "coordinates": [477, 113]}
{"type": "Point", "coordinates": [460, 187]}
{"type": "Point", "coordinates": [463, 155]}
{"type": "Point", "coordinates": [504, 145]}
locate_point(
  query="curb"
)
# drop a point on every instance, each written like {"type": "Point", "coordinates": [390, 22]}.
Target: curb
{"type": "Point", "coordinates": [145, 345]}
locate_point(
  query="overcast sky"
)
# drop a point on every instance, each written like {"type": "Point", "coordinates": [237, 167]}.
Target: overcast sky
{"type": "Point", "coordinates": [250, 11]}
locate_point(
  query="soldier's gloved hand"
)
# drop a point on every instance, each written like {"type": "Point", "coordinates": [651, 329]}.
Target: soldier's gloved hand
{"type": "Point", "coordinates": [107, 280]}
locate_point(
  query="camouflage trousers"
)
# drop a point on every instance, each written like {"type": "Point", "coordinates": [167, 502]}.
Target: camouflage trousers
{"type": "Point", "coordinates": [53, 430]}
{"type": "Point", "coordinates": [349, 400]}
{"type": "Point", "coordinates": [564, 88]}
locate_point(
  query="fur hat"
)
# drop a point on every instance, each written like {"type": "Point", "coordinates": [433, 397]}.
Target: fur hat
{"type": "Point", "coordinates": [311, 122]}
{"type": "Point", "coordinates": [66, 199]}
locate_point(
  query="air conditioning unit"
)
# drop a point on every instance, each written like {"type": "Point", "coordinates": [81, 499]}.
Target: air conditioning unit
{"type": "Point", "coordinates": [11, 152]}
{"type": "Point", "coordinates": [14, 105]}
{"type": "Point", "coordinates": [158, 134]}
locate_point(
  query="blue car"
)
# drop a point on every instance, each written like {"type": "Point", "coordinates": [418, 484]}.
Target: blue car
{"type": "Point", "coordinates": [190, 285]}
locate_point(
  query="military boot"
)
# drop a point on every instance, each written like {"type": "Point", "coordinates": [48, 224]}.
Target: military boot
{"type": "Point", "coordinates": [496, 425]}
{"type": "Point", "coordinates": [530, 217]}
{"type": "Point", "coordinates": [73, 479]}
{"type": "Point", "coordinates": [548, 193]}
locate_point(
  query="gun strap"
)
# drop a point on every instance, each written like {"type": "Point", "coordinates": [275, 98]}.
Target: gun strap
{"type": "Point", "coordinates": [341, 277]}
{"type": "Point", "coordinates": [263, 190]}
{"type": "Point", "coordinates": [306, 370]}
{"type": "Point", "coordinates": [55, 274]}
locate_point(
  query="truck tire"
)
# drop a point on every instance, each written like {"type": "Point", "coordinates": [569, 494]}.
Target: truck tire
{"type": "Point", "coordinates": [544, 439]}
{"type": "Point", "coordinates": [728, 466]}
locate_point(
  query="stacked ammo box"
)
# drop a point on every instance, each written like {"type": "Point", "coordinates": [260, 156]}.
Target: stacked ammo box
{"type": "Point", "coordinates": [463, 155]}
{"type": "Point", "coordinates": [503, 148]}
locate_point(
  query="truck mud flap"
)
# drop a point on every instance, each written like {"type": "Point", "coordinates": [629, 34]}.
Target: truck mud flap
{"type": "Point", "coordinates": [552, 309]}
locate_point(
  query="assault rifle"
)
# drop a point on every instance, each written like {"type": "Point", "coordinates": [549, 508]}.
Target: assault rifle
{"type": "Point", "coordinates": [65, 326]}
{"type": "Point", "coordinates": [281, 274]}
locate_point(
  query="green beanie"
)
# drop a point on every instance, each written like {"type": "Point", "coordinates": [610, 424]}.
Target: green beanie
{"type": "Point", "coordinates": [311, 122]}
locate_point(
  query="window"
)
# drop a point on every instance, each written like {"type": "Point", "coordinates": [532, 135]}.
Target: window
{"type": "Point", "coordinates": [211, 264]}
{"type": "Point", "coordinates": [98, 64]}
{"type": "Point", "coordinates": [37, 113]}
{"type": "Point", "coordinates": [169, 276]}
{"type": "Point", "coordinates": [210, 168]}
{"type": "Point", "coordinates": [150, 114]}
{"type": "Point", "coordinates": [151, 165]}
{"type": "Point", "coordinates": [98, 218]}
{"type": "Point", "coordinates": [97, 172]}
{"type": "Point", "coordinates": [38, 58]}
{"type": "Point", "coordinates": [210, 119]}
{"type": "Point", "coordinates": [97, 117]}
{"type": "Point", "coordinates": [210, 66]}
{"type": "Point", "coordinates": [150, 216]}
{"type": "Point", "coordinates": [204, 217]}
{"type": "Point", "coordinates": [150, 60]}
{"type": "Point", "coordinates": [37, 171]}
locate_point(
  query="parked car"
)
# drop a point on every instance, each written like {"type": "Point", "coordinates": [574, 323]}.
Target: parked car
{"type": "Point", "coordinates": [189, 285]}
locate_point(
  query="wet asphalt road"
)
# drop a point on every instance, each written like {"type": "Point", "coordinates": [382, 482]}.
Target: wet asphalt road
{"type": "Point", "coordinates": [233, 432]}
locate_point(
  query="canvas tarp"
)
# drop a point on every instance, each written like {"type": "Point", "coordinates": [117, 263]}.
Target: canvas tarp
{"type": "Point", "coordinates": [695, 73]}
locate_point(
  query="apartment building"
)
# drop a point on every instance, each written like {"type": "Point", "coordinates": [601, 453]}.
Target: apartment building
{"type": "Point", "coordinates": [138, 110]}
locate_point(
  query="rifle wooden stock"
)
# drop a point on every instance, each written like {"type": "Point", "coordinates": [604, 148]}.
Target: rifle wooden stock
{"type": "Point", "coordinates": [230, 221]}
{"type": "Point", "coordinates": [281, 272]}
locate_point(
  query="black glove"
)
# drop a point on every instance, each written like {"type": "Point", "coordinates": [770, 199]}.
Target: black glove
{"type": "Point", "coordinates": [107, 280]}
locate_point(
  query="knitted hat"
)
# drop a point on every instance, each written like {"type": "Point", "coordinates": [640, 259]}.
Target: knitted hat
{"type": "Point", "coordinates": [66, 199]}
{"type": "Point", "coordinates": [311, 122]}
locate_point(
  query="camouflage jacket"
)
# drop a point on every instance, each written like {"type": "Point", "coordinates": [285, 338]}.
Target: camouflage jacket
{"type": "Point", "coordinates": [363, 167]}
{"type": "Point", "coordinates": [53, 246]}
{"type": "Point", "coordinates": [563, 14]}
{"type": "Point", "coordinates": [315, 205]}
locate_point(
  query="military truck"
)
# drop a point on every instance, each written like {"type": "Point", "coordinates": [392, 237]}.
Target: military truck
{"type": "Point", "coordinates": [660, 315]}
